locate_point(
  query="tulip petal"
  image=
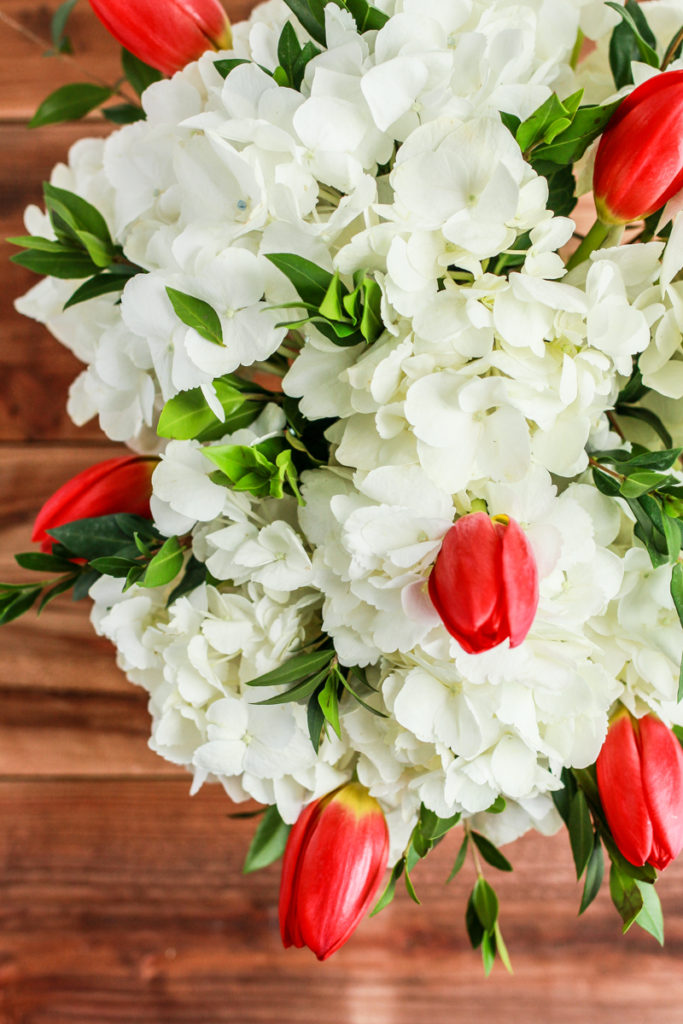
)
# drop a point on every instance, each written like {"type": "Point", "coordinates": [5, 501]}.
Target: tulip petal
{"type": "Point", "coordinates": [520, 580]}
{"type": "Point", "coordinates": [662, 773]}
{"type": "Point", "coordinates": [621, 791]}
{"type": "Point", "coordinates": [114, 485]}
{"type": "Point", "coordinates": [465, 587]}
{"type": "Point", "coordinates": [296, 843]}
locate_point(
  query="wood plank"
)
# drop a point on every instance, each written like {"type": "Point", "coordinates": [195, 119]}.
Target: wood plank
{"type": "Point", "coordinates": [125, 902]}
{"type": "Point", "coordinates": [28, 76]}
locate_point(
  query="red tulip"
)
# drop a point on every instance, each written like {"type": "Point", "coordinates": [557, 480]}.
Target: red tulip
{"type": "Point", "coordinates": [332, 871]}
{"type": "Point", "coordinates": [484, 584]}
{"type": "Point", "coordinates": [639, 163]}
{"type": "Point", "coordinates": [116, 485]}
{"type": "Point", "coordinates": [167, 34]}
{"type": "Point", "coordinates": [640, 779]}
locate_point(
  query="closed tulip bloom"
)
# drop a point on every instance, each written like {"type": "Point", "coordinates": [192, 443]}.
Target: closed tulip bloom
{"type": "Point", "coordinates": [640, 779]}
{"type": "Point", "coordinates": [167, 34]}
{"type": "Point", "coordinates": [639, 163]}
{"type": "Point", "coordinates": [332, 871]}
{"type": "Point", "coordinates": [484, 584]}
{"type": "Point", "coordinates": [115, 485]}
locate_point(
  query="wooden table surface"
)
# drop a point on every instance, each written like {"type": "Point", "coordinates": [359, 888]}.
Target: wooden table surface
{"type": "Point", "coordinates": [122, 898]}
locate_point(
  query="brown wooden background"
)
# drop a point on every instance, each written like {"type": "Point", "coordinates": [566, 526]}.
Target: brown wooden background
{"type": "Point", "coordinates": [121, 898]}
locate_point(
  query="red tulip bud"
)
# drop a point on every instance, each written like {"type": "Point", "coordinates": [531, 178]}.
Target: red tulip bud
{"type": "Point", "coordinates": [116, 485]}
{"type": "Point", "coordinates": [484, 584]}
{"type": "Point", "coordinates": [332, 871]}
{"type": "Point", "coordinates": [639, 163]}
{"type": "Point", "coordinates": [640, 779]}
{"type": "Point", "coordinates": [167, 34]}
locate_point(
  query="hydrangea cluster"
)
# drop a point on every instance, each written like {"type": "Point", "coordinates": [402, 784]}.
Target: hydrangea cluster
{"type": "Point", "coordinates": [482, 377]}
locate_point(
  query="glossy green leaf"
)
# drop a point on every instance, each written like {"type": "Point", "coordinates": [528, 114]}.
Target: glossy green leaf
{"type": "Point", "coordinates": [197, 314]}
{"type": "Point", "coordinates": [139, 74]}
{"type": "Point", "coordinates": [124, 113]}
{"type": "Point", "coordinates": [39, 561]}
{"type": "Point", "coordinates": [311, 14]}
{"type": "Point", "coordinates": [329, 704]}
{"type": "Point", "coordinates": [485, 903]}
{"type": "Point", "coordinates": [491, 853]}
{"type": "Point", "coordinates": [637, 24]}
{"type": "Point", "coordinates": [650, 917]}
{"type": "Point", "coordinates": [269, 842]}
{"type": "Point", "coordinates": [580, 832]}
{"type": "Point", "coordinates": [572, 143]}
{"type": "Point", "coordinates": [165, 565]}
{"type": "Point", "coordinates": [64, 262]}
{"type": "Point", "coordinates": [101, 284]}
{"type": "Point", "coordinates": [294, 669]}
{"type": "Point", "coordinates": [310, 281]}
{"type": "Point", "coordinates": [102, 535]}
{"type": "Point", "coordinates": [460, 859]}
{"type": "Point", "coordinates": [300, 690]}
{"type": "Point", "coordinates": [60, 41]}
{"type": "Point", "coordinates": [69, 103]}
{"type": "Point", "coordinates": [595, 871]}
{"type": "Point", "coordinates": [390, 889]}
{"type": "Point", "coordinates": [626, 896]}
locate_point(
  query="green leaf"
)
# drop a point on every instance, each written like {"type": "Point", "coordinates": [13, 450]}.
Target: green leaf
{"type": "Point", "coordinates": [491, 853]}
{"type": "Point", "coordinates": [288, 50]}
{"type": "Point", "coordinates": [64, 262]}
{"type": "Point", "coordinates": [485, 904]}
{"type": "Point", "coordinates": [59, 588]}
{"type": "Point", "coordinates": [640, 482]}
{"type": "Point", "coordinates": [228, 64]}
{"type": "Point", "coordinates": [650, 918]}
{"type": "Point", "coordinates": [300, 690]}
{"type": "Point", "coordinates": [188, 414]}
{"type": "Point", "coordinates": [139, 74]}
{"type": "Point", "coordinates": [269, 842]}
{"type": "Point", "coordinates": [329, 704]}
{"type": "Point", "coordinates": [562, 798]}
{"type": "Point", "coordinates": [390, 890]}
{"type": "Point", "coordinates": [626, 896]}
{"type": "Point", "coordinates": [15, 603]}
{"type": "Point", "coordinates": [547, 121]}
{"type": "Point", "coordinates": [410, 888]}
{"type": "Point", "coordinates": [309, 51]}
{"type": "Point", "coordinates": [475, 929]}
{"type": "Point", "coordinates": [72, 215]}
{"type": "Point", "coordinates": [102, 535]}
{"type": "Point", "coordinates": [488, 951]}
{"type": "Point", "coordinates": [501, 949]}
{"type": "Point", "coordinates": [311, 15]}
{"type": "Point", "coordinates": [498, 805]}
{"type": "Point", "coordinates": [367, 18]}
{"type": "Point", "coordinates": [331, 308]}
{"type": "Point", "coordinates": [245, 466]}
{"type": "Point", "coordinates": [641, 33]}
{"type": "Point", "coordinates": [315, 720]}
{"type": "Point", "coordinates": [572, 143]}
{"type": "Point", "coordinates": [294, 669]}
{"type": "Point", "coordinates": [647, 416]}
{"type": "Point", "coordinates": [677, 589]}
{"type": "Point", "coordinates": [595, 871]}
{"type": "Point", "coordinates": [433, 827]}
{"type": "Point", "coordinates": [659, 461]}
{"type": "Point", "coordinates": [69, 103]}
{"type": "Point", "coordinates": [310, 281]}
{"type": "Point", "coordinates": [100, 251]}
{"type": "Point", "coordinates": [460, 859]}
{"type": "Point", "coordinates": [111, 565]}
{"type": "Point", "coordinates": [605, 483]}
{"type": "Point", "coordinates": [39, 561]}
{"type": "Point", "coordinates": [124, 113]}
{"type": "Point", "coordinates": [197, 314]}
{"type": "Point", "coordinates": [101, 284]}
{"type": "Point", "coordinates": [60, 18]}
{"type": "Point", "coordinates": [83, 584]}
{"type": "Point", "coordinates": [580, 832]}
{"type": "Point", "coordinates": [165, 565]}
{"type": "Point", "coordinates": [195, 574]}
{"type": "Point", "coordinates": [371, 324]}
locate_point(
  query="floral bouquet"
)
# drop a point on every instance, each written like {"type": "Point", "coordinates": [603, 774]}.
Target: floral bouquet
{"type": "Point", "coordinates": [398, 549]}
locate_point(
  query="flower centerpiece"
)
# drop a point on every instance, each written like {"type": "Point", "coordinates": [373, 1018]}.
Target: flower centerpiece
{"type": "Point", "coordinates": [398, 551]}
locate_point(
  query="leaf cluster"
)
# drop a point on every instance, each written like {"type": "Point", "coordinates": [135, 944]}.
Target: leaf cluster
{"type": "Point", "coordinates": [82, 248]}
{"type": "Point", "coordinates": [311, 15]}
{"type": "Point", "coordinates": [125, 546]}
{"type": "Point", "coordinates": [263, 469]}
{"type": "Point", "coordinates": [76, 100]}
{"type": "Point", "coordinates": [188, 414]}
{"type": "Point", "coordinates": [344, 316]}
{"type": "Point", "coordinates": [632, 39]}
{"type": "Point", "coordinates": [631, 887]}
{"type": "Point", "coordinates": [316, 678]}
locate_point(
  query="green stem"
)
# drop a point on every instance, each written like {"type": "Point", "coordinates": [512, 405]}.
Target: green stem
{"type": "Point", "coordinates": [669, 55]}
{"type": "Point", "coordinates": [593, 240]}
